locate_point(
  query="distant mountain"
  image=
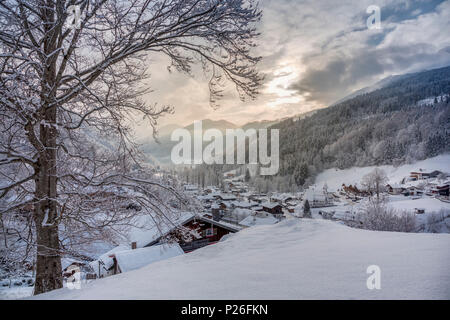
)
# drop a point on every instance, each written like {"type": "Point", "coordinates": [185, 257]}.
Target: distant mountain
{"type": "Point", "coordinates": [222, 125]}
{"type": "Point", "coordinates": [406, 119]}
{"type": "Point", "coordinates": [160, 152]}
{"type": "Point", "coordinates": [167, 129]}
{"type": "Point", "coordinates": [259, 124]}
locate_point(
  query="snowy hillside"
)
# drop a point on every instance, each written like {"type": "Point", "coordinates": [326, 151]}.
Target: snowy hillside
{"type": "Point", "coordinates": [334, 178]}
{"type": "Point", "coordinates": [294, 259]}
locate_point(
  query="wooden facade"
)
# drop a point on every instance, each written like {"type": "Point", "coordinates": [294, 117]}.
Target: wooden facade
{"type": "Point", "coordinates": [443, 190]}
{"type": "Point", "coordinates": [208, 231]}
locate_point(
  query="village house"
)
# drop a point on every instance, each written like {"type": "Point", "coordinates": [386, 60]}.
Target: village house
{"type": "Point", "coordinates": [205, 230]}
{"type": "Point", "coordinates": [258, 197]}
{"type": "Point", "coordinates": [243, 204]}
{"type": "Point", "coordinates": [352, 192]}
{"type": "Point", "coordinates": [443, 190]}
{"type": "Point", "coordinates": [292, 203]}
{"type": "Point", "coordinates": [209, 189]}
{"type": "Point", "coordinates": [225, 205]}
{"type": "Point", "coordinates": [225, 197]}
{"type": "Point", "coordinates": [281, 198]}
{"type": "Point", "coordinates": [291, 209]}
{"type": "Point", "coordinates": [412, 191]}
{"type": "Point", "coordinates": [210, 231]}
{"type": "Point", "coordinates": [208, 198]}
{"type": "Point", "coordinates": [421, 175]}
{"type": "Point", "coordinates": [273, 208]}
{"type": "Point", "coordinates": [71, 266]}
{"type": "Point", "coordinates": [318, 198]}
{"type": "Point", "coordinates": [395, 189]}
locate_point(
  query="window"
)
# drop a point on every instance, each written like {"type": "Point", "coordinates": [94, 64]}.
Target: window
{"type": "Point", "coordinates": [209, 232]}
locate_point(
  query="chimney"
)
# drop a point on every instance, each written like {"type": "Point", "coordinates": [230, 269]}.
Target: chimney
{"type": "Point", "coordinates": [133, 245]}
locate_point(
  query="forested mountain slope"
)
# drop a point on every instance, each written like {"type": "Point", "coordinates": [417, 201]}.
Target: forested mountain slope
{"type": "Point", "coordinates": [407, 120]}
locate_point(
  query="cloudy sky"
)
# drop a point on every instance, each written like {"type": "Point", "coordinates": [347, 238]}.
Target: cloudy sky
{"type": "Point", "coordinates": [314, 53]}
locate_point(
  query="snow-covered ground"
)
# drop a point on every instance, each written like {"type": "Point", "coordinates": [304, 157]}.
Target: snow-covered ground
{"type": "Point", "coordinates": [294, 259]}
{"type": "Point", "coordinates": [334, 178]}
{"type": "Point", "coordinates": [409, 204]}
{"type": "Point", "coordinates": [7, 293]}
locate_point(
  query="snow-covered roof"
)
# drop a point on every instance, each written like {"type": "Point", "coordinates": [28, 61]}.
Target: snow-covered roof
{"type": "Point", "coordinates": [242, 211]}
{"type": "Point", "coordinates": [215, 206]}
{"type": "Point", "coordinates": [223, 224]}
{"type": "Point", "coordinates": [244, 204]}
{"type": "Point", "coordinates": [225, 196]}
{"type": "Point", "coordinates": [258, 221]}
{"type": "Point", "coordinates": [66, 262]}
{"type": "Point", "coordinates": [396, 186]}
{"type": "Point", "coordinates": [282, 196]}
{"type": "Point", "coordinates": [226, 204]}
{"type": "Point", "coordinates": [106, 261]}
{"type": "Point", "coordinates": [147, 235]}
{"type": "Point", "coordinates": [269, 205]}
{"type": "Point", "coordinates": [206, 197]}
{"type": "Point", "coordinates": [135, 259]}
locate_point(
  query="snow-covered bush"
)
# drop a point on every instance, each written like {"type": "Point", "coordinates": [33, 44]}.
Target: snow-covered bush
{"type": "Point", "coordinates": [436, 222]}
{"type": "Point", "coordinates": [377, 215]}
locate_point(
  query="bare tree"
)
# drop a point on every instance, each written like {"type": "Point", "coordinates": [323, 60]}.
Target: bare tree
{"type": "Point", "coordinates": [69, 95]}
{"type": "Point", "coordinates": [375, 181]}
{"type": "Point", "coordinates": [378, 215]}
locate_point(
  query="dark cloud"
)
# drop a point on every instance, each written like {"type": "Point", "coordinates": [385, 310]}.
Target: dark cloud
{"type": "Point", "coordinates": [339, 77]}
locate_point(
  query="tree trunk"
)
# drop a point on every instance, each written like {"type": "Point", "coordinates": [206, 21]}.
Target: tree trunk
{"type": "Point", "coordinates": [48, 260]}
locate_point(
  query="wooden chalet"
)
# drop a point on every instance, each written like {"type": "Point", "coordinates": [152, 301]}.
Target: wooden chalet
{"type": "Point", "coordinates": [420, 175]}
{"type": "Point", "coordinates": [395, 189]}
{"type": "Point", "coordinates": [443, 190]}
{"type": "Point", "coordinates": [206, 229]}
{"type": "Point", "coordinates": [412, 191]}
{"type": "Point", "coordinates": [273, 208]}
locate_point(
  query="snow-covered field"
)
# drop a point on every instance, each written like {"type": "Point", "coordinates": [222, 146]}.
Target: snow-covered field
{"type": "Point", "coordinates": [334, 178]}
{"type": "Point", "coordinates": [294, 259]}
{"type": "Point", "coordinates": [430, 204]}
